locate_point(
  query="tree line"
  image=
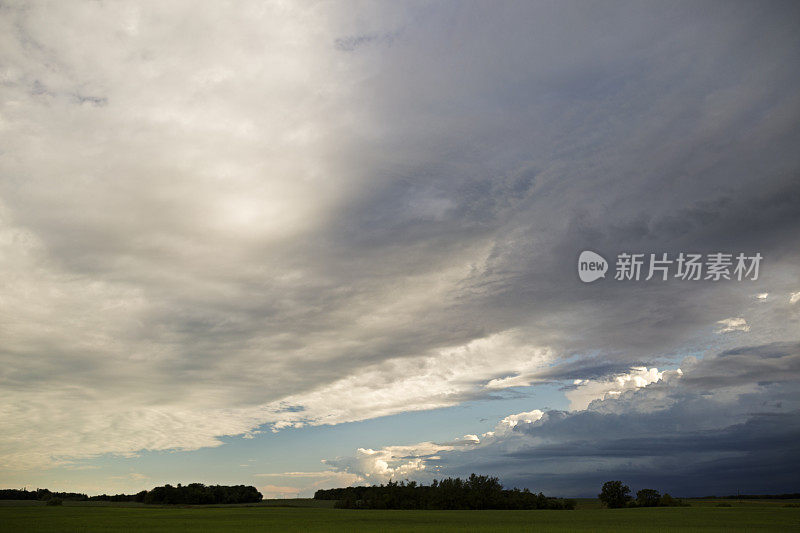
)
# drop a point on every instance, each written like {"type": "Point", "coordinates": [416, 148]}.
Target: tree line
{"type": "Point", "coordinates": [616, 495]}
{"type": "Point", "coordinates": [40, 494]}
{"type": "Point", "coordinates": [191, 494]}
{"type": "Point", "coordinates": [476, 492]}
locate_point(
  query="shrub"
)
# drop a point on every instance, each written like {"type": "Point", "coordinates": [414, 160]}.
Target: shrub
{"type": "Point", "coordinates": [648, 498]}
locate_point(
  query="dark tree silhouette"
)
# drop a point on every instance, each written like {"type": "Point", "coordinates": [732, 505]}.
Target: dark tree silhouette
{"type": "Point", "coordinates": [40, 494]}
{"type": "Point", "coordinates": [614, 494]}
{"type": "Point", "coordinates": [648, 498]}
{"type": "Point", "coordinates": [197, 493]}
{"type": "Point", "coordinates": [194, 493]}
{"type": "Point", "coordinates": [476, 492]}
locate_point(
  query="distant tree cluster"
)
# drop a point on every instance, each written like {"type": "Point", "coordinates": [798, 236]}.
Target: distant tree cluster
{"type": "Point", "coordinates": [192, 494]}
{"type": "Point", "coordinates": [40, 494]}
{"type": "Point", "coordinates": [616, 495]}
{"type": "Point", "coordinates": [476, 492]}
{"type": "Point", "coordinates": [197, 493]}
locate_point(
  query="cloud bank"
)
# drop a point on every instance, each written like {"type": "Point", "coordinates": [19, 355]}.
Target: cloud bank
{"type": "Point", "coordinates": [227, 220]}
{"type": "Point", "coordinates": [658, 434]}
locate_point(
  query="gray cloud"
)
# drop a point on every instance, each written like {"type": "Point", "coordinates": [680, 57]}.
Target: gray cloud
{"type": "Point", "coordinates": [252, 219]}
{"type": "Point", "coordinates": [685, 434]}
{"type": "Point", "coordinates": [693, 435]}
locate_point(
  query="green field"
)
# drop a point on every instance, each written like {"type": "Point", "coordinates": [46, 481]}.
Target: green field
{"type": "Point", "coordinates": [309, 516]}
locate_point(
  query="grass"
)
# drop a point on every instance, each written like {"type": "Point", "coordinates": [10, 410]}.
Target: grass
{"type": "Point", "coordinates": [703, 516]}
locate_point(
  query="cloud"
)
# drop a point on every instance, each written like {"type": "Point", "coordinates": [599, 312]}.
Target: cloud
{"type": "Point", "coordinates": [397, 462]}
{"type": "Point", "coordinates": [690, 432]}
{"type": "Point", "coordinates": [299, 220]}
{"type": "Point", "coordinates": [584, 391]}
{"type": "Point", "coordinates": [794, 297]}
{"type": "Point", "coordinates": [441, 378]}
{"type": "Point", "coordinates": [507, 425]}
{"type": "Point", "coordinates": [733, 324]}
{"type": "Point", "coordinates": [306, 483]}
{"type": "Point", "coordinates": [379, 466]}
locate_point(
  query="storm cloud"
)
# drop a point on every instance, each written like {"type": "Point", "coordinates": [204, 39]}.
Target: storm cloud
{"type": "Point", "coordinates": [728, 422]}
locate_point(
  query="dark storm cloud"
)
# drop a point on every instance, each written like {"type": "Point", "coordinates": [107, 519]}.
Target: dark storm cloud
{"type": "Point", "coordinates": [771, 363]}
{"type": "Point", "coordinates": [651, 140]}
{"type": "Point", "coordinates": [689, 435]}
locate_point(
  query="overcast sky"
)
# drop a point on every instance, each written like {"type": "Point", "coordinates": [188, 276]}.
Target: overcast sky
{"type": "Point", "coordinates": [302, 245]}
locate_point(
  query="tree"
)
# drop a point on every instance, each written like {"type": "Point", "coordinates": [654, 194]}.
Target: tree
{"type": "Point", "coordinates": [614, 494]}
{"type": "Point", "coordinates": [199, 494]}
{"type": "Point", "coordinates": [475, 492]}
{"type": "Point", "coordinates": [648, 498]}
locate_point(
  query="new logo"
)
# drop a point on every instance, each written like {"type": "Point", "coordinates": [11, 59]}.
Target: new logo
{"type": "Point", "coordinates": [591, 266]}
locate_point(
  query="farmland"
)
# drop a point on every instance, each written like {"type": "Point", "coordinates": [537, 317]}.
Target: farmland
{"type": "Point", "coordinates": [308, 516]}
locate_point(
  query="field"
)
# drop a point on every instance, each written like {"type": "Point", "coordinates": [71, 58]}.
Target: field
{"type": "Point", "coordinates": [309, 516]}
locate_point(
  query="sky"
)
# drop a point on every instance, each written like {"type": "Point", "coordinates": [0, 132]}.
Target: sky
{"type": "Point", "coordinates": [300, 245]}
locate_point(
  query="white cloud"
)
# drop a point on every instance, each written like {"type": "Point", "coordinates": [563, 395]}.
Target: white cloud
{"type": "Point", "coordinates": [398, 462]}
{"type": "Point", "coordinates": [506, 425]}
{"type": "Point", "coordinates": [418, 460]}
{"type": "Point", "coordinates": [123, 426]}
{"type": "Point", "coordinates": [794, 297]}
{"type": "Point", "coordinates": [439, 379]}
{"type": "Point", "coordinates": [585, 391]}
{"type": "Point", "coordinates": [733, 324]}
